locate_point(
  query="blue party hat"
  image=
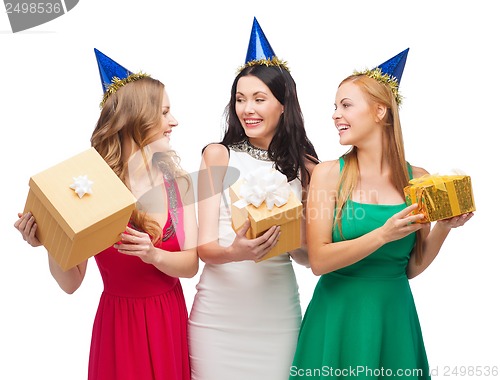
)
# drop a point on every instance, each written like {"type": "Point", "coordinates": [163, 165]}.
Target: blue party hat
{"type": "Point", "coordinates": [258, 47]}
{"type": "Point", "coordinates": [395, 66]}
{"type": "Point", "coordinates": [113, 75]}
{"type": "Point", "coordinates": [259, 50]}
{"type": "Point", "coordinates": [109, 69]}
{"type": "Point", "coordinates": [389, 73]}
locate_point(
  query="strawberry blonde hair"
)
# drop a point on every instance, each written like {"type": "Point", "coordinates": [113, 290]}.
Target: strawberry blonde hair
{"type": "Point", "coordinates": [393, 147]}
{"type": "Point", "coordinates": [134, 112]}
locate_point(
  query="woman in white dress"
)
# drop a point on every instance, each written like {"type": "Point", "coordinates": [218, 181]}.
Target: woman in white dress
{"type": "Point", "coordinates": [246, 314]}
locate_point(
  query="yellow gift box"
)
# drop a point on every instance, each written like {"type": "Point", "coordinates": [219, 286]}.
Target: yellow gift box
{"type": "Point", "coordinates": [287, 216]}
{"type": "Point", "coordinates": [80, 206]}
{"type": "Point", "coordinates": [440, 197]}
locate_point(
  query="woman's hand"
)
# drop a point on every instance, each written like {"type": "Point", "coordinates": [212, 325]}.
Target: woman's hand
{"type": "Point", "coordinates": [26, 225]}
{"type": "Point", "coordinates": [401, 224]}
{"type": "Point", "coordinates": [254, 249]}
{"type": "Point", "coordinates": [136, 243]}
{"type": "Point", "coordinates": [457, 221]}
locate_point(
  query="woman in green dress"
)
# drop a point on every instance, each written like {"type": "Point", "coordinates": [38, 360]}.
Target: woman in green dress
{"type": "Point", "coordinates": [361, 321]}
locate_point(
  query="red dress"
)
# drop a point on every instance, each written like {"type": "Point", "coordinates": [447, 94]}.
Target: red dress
{"type": "Point", "coordinates": [140, 328]}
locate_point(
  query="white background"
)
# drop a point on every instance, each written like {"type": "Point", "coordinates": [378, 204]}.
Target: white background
{"type": "Point", "coordinates": [49, 103]}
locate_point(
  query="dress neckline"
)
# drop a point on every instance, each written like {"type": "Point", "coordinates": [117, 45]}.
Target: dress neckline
{"type": "Point", "coordinates": [253, 151]}
{"type": "Point", "coordinates": [377, 204]}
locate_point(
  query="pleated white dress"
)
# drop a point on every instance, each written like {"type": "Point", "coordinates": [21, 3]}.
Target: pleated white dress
{"type": "Point", "coordinates": [245, 316]}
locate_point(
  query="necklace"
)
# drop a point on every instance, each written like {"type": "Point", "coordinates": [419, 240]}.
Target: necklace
{"type": "Point", "coordinates": [253, 151]}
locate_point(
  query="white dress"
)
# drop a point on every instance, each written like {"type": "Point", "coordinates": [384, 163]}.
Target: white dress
{"type": "Point", "coordinates": [246, 316]}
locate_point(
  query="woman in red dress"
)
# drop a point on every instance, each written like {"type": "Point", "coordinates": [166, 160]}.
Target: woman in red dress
{"type": "Point", "coordinates": [140, 326]}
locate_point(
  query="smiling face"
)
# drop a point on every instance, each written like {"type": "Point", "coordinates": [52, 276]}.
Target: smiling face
{"type": "Point", "coordinates": [161, 137]}
{"type": "Point", "coordinates": [258, 110]}
{"type": "Point", "coordinates": [355, 116]}
{"type": "Point", "coordinates": [144, 179]}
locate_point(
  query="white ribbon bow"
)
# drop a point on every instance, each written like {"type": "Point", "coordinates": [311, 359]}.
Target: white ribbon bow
{"type": "Point", "coordinates": [264, 184]}
{"type": "Point", "coordinates": [82, 185]}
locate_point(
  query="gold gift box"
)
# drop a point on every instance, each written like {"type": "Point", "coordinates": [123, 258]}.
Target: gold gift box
{"type": "Point", "coordinates": [440, 197]}
{"type": "Point", "coordinates": [73, 229]}
{"type": "Point", "coordinates": [287, 216]}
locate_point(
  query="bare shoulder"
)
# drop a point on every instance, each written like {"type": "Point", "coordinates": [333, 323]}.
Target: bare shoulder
{"type": "Point", "coordinates": [330, 167]}
{"type": "Point", "coordinates": [327, 172]}
{"type": "Point", "coordinates": [216, 154]}
{"type": "Point", "coordinates": [418, 171]}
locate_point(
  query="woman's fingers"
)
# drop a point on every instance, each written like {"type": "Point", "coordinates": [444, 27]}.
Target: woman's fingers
{"type": "Point", "coordinates": [268, 241]}
{"type": "Point", "coordinates": [27, 227]}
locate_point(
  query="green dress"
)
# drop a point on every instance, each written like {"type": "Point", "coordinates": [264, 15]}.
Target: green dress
{"type": "Point", "coordinates": [361, 321]}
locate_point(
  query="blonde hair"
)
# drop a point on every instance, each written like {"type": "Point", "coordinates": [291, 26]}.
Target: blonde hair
{"type": "Point", "coordinates": [134, 112]}
{"type": "Point", "coordinates": [377, 93]}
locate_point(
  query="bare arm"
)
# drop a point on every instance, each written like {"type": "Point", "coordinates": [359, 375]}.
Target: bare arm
{"type": "Point", "coordinates": [210, 187]}
{"type": "Point", "coordinates": [300, 255]}
{"type": "Point", "coordinates": [183, 263]}
{"type": "Point", "coordinates": [325, 255]}
{"type": "Point", "coordinates": [433, 238]}
{"type": "Point", "coordinates": [69, 280]}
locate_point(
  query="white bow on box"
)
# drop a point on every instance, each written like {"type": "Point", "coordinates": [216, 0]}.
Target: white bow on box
{"type": "Point", "coordinates": [82, 185]}
{"type": "Point", "coordinates": [264, 184]}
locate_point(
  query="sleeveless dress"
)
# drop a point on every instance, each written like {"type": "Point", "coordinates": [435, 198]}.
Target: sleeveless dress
{"type": "Point", "coordinates": [140, 328]}
{"type": "Point", "coordinates": [361, 321]}
{"type": "Point", "coordinates": [245, 316]}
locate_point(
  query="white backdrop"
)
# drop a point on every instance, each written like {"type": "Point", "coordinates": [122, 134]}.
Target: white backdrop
{"type": "Point", "coordinates": [49, 103]}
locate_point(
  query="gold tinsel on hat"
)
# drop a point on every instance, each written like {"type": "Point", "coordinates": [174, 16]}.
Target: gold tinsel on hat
{"type": "Point", "coordinates": [266, 62]}
{"type": "Point", "coordinates": [387, 79]}
{"type": "Point", "coordinates": [117, 83]}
